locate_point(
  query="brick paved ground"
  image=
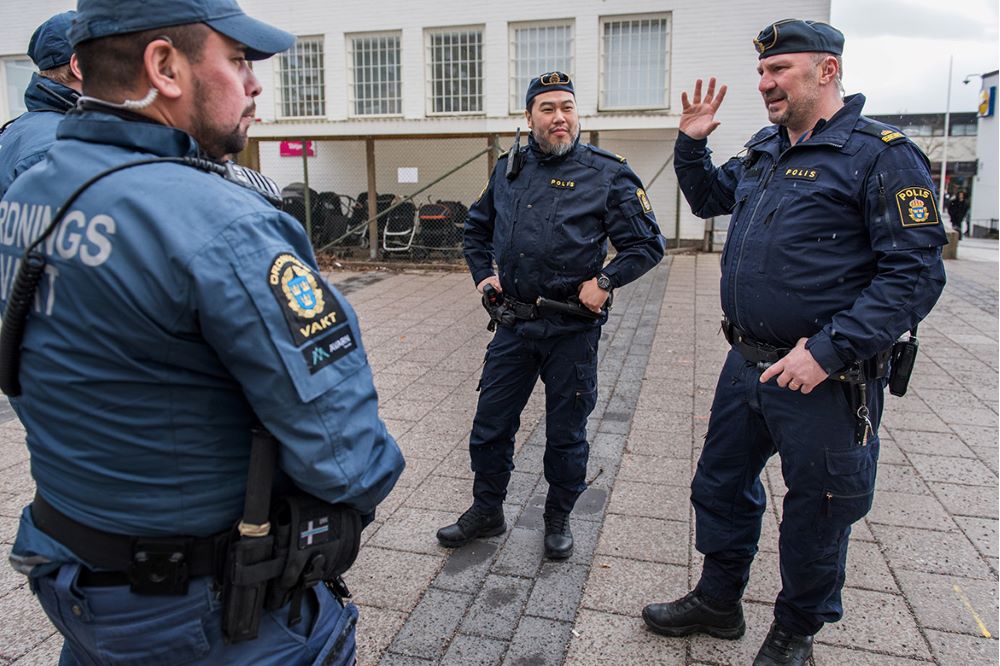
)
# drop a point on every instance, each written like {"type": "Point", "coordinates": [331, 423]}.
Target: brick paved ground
{"type": "Point", "coordinates": [923, 566]}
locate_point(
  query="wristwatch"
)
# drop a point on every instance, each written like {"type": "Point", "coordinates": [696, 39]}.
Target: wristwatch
{"type": "Point", "coordinates": [604, 282]}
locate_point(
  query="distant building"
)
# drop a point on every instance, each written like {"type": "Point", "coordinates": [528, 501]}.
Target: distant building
{"type": "Point", "coordinates": [927, 131]}
{"type": "Point", "coordinates": [985, 196]}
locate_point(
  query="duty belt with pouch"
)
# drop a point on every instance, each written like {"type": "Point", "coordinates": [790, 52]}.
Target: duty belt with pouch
{"type": "Point", "coordinates": [270, 558]}
{"type": "Point", "coordinates": [765, 355]}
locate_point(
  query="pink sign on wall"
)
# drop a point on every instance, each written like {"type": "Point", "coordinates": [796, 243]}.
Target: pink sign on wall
{"type": "Point", "coordinates": [294, 149]}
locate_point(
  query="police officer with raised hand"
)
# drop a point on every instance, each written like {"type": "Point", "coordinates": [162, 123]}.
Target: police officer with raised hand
{"type": "Point", "coordinates": [51, 92]}
{"type": "Point", "coordinates": [177, 308]}
{"type": "Point", "coordinates": [545, 218]}
{"type": "Point", "coordinates": [833, 252]}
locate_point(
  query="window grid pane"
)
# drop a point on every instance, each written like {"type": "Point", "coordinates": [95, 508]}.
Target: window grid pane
{"type": "Point", "coordinates": [456, 71]}
{"type": "Point", "coordinates": [635, 63]}
{"type": "Point", "coordinates": [18, 75]}
{"type": "Point", "coordinates": [300, 79]}
{"type": "Point", "coordinates": [377, 74]}
{"type": "Point", "coordinates": [536, 50]}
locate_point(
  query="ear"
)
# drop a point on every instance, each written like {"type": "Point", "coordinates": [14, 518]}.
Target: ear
{"type": "Point", "coordinates": [527, 119]}
{"type": "Point", "coordinates": [828, 70]}
{"type": "Point", "coordinates": [162, 64]}
{"type": "Point", "coordinates": [74, 66]}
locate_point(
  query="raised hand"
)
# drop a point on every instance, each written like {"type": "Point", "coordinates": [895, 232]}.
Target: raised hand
{"type": "Point", "coordinates": [698, 115]}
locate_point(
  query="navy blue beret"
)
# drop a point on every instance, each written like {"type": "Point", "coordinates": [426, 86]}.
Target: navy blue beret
{"type": "Point", "coordinates": [797, 36]}
{"type": "Point", "coordinates": [103, 18]}
{"type": "Point", "coordinates": [547, 83]}
{"type": "Point", "coordinates": [49, 46]}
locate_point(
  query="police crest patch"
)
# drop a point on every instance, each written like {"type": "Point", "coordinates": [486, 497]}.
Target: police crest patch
{"type": "Point", "coordinates": [310, 308]}
{"type": "Point", "coordinates": [916, 206]}
{"type": "Point", "coordinates": [644, 200]}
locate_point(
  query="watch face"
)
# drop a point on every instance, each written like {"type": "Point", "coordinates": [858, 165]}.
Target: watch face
{"type": "Point", "coordinates": [604, 282]}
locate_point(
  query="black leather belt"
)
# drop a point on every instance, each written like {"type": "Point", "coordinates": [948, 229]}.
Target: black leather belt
{"type": "Point", "coordinates": [750, 349]}
{"type": "Point", "coordinates": [129, 560]}
{"type": "Point", "coordinates": [755, 351]}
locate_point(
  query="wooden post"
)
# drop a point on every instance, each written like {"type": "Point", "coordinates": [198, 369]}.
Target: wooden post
{"type": "Point", "coordinates": [372, 198]}
{"type": "Point", "coordinates": [249, 156]}
{"type": "Point", "coordinates": [305, 193]}
{"type": "Point", "coordinates": [494, 144]}
{"type": "Point", "coordinates": [595, 139]}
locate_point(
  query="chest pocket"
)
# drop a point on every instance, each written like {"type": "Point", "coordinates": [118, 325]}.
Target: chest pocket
{"type": "Point", "coordinates": [768, 228]}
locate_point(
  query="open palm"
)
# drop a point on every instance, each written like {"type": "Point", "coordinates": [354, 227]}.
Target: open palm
{"type": "Point", "coordinates": [698, 115]}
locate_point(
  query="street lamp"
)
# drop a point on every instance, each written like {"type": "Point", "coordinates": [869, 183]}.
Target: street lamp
{"type": "Point", "coordinates": [944, 150]}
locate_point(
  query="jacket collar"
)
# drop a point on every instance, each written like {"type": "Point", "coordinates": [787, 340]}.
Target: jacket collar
{"type": "Point", "coordinates": [834, 132]}
{"type": "Point", "coordinates": [127, 130]}
{"type": "Point", "coordinates": [43, 95]}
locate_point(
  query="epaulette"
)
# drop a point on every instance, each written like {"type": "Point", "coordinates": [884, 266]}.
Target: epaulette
{"type": "Point", "coordinates": [887, 133]}
{"type": "Point", "coordinates": [604, 153]}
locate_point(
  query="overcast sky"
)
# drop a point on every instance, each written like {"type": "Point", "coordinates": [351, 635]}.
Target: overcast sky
{"type": "Point", "coordinates": [897, 51]}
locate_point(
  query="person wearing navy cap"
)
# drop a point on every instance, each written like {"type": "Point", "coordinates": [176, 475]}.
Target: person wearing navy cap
{"type": "Point", "coordinates": [178, 311]}
{"type": "Point", "coordinates": [51, 92]}
{"type": "Point", "coordinates": [568, 199]}
{"type": "Point", "coordinates": [833, 253]}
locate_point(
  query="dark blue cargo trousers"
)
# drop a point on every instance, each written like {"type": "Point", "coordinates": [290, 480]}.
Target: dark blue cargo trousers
{"type": "Point", "coordinates": [567, 365]}
{"type": "Point", "coordinates": [829, 473]}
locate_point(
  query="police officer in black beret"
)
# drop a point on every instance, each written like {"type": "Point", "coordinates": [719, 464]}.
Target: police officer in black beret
{"type": "Point", "coordinates": [51, 92]}
{"type": "Point", "coordinates": [545, 219]}
{"type": "Point", "coordinates": [833, 253]}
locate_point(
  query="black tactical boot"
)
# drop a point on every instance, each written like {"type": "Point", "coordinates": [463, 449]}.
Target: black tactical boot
{"type": "Point", "coordinates": [558, 537]}
{"type": "Point", "coordinates": [472, 524]}
{"type": "Point", "coordinates": [692, 613]}
{"type": "Point", "coordinates": [784, 647]}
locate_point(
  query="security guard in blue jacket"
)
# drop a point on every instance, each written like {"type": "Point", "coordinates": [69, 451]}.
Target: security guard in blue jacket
{"type": "Point", "coordinates": [51, 93]}
{"type": "Point", "coordinates": [545, 218]}
{"type": "Point", "coordinates": [833, 253]}
{"type": "Point", "coordinates": [176, 309]}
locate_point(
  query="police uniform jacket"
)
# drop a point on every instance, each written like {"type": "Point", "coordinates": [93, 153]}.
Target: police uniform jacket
{"type": "Point", "coordinates": [548, 228]}
{"type": "Point", "coordinates": [176, 306]}
{"type": "Point", "coordinates": [26, 140]}
{"type": "Point", "coordinates": [835, 239]}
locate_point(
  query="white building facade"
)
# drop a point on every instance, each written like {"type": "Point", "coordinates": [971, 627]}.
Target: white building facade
{"type": "Point", "coordinates": [432, 82]}
{"type": "Point", "coordinates": [985, 209]}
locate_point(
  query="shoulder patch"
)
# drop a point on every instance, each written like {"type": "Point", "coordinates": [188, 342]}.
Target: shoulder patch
{"type": "Point", "coordinates": [916, 206]}
{"type": "Point", "coordinates": [309, 306]}
{"type": "Point", "coordinates": [605, 153]}
{"type": "Point", "coordinates": [644, 200]}
{"type": "Point", "coordinates": [887, 134]}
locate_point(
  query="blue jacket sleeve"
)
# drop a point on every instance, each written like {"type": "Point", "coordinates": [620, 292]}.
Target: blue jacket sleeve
{"type": "Point", "coordinates": [477, 239]}
{"type": "Point", "coordinates": [293, 343]}
{"type": "Point", "coordinates": [631, 226]}
{"type": "Point", "coordinates": [709, 190]}
{"type": "Point", "coordinates": [906, 235]}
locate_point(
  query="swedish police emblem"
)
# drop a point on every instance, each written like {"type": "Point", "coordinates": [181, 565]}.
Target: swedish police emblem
{"type": "Point", "coordinates": [916, 207]}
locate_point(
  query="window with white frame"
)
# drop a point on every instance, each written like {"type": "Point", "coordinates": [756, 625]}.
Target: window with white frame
{"type": "Point", "coordinates": [375, 72]}
{"type": "Point", "coordinates": [635, 62]}
{"type": "Point", "coordinates": [454, 70]}
{"type": "Point", "coordinates": [536, 48]}
{"type": "Point", "coordinates": [16, 75]}
{"type": "Point", "coordinates": [301, 92]}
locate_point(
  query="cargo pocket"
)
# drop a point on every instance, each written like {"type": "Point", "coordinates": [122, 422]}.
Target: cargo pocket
{"type": "Point", "coordinates": [341, 648]}
{"type": "Point", "coordinates": [849, 489]}
{"type": "Point", "coordinates": [585, 393]}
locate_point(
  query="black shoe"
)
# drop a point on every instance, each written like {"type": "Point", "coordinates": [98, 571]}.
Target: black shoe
{"type": "Point", "coordinates": [558, 537]}
{"type": "Point", "coordinates": [692, 614]}
{"type": "Point", "coordinates": [472, 524]}
{"type": "Point", "coordinates": [784, 647]}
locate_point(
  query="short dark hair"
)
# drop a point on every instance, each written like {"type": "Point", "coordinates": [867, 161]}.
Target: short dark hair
{"type": "Point", "coordinates": [111, 64]}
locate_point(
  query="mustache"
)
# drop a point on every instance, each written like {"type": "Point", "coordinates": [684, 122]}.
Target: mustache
{"type": "Point", "coordinates": [250, 111]}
